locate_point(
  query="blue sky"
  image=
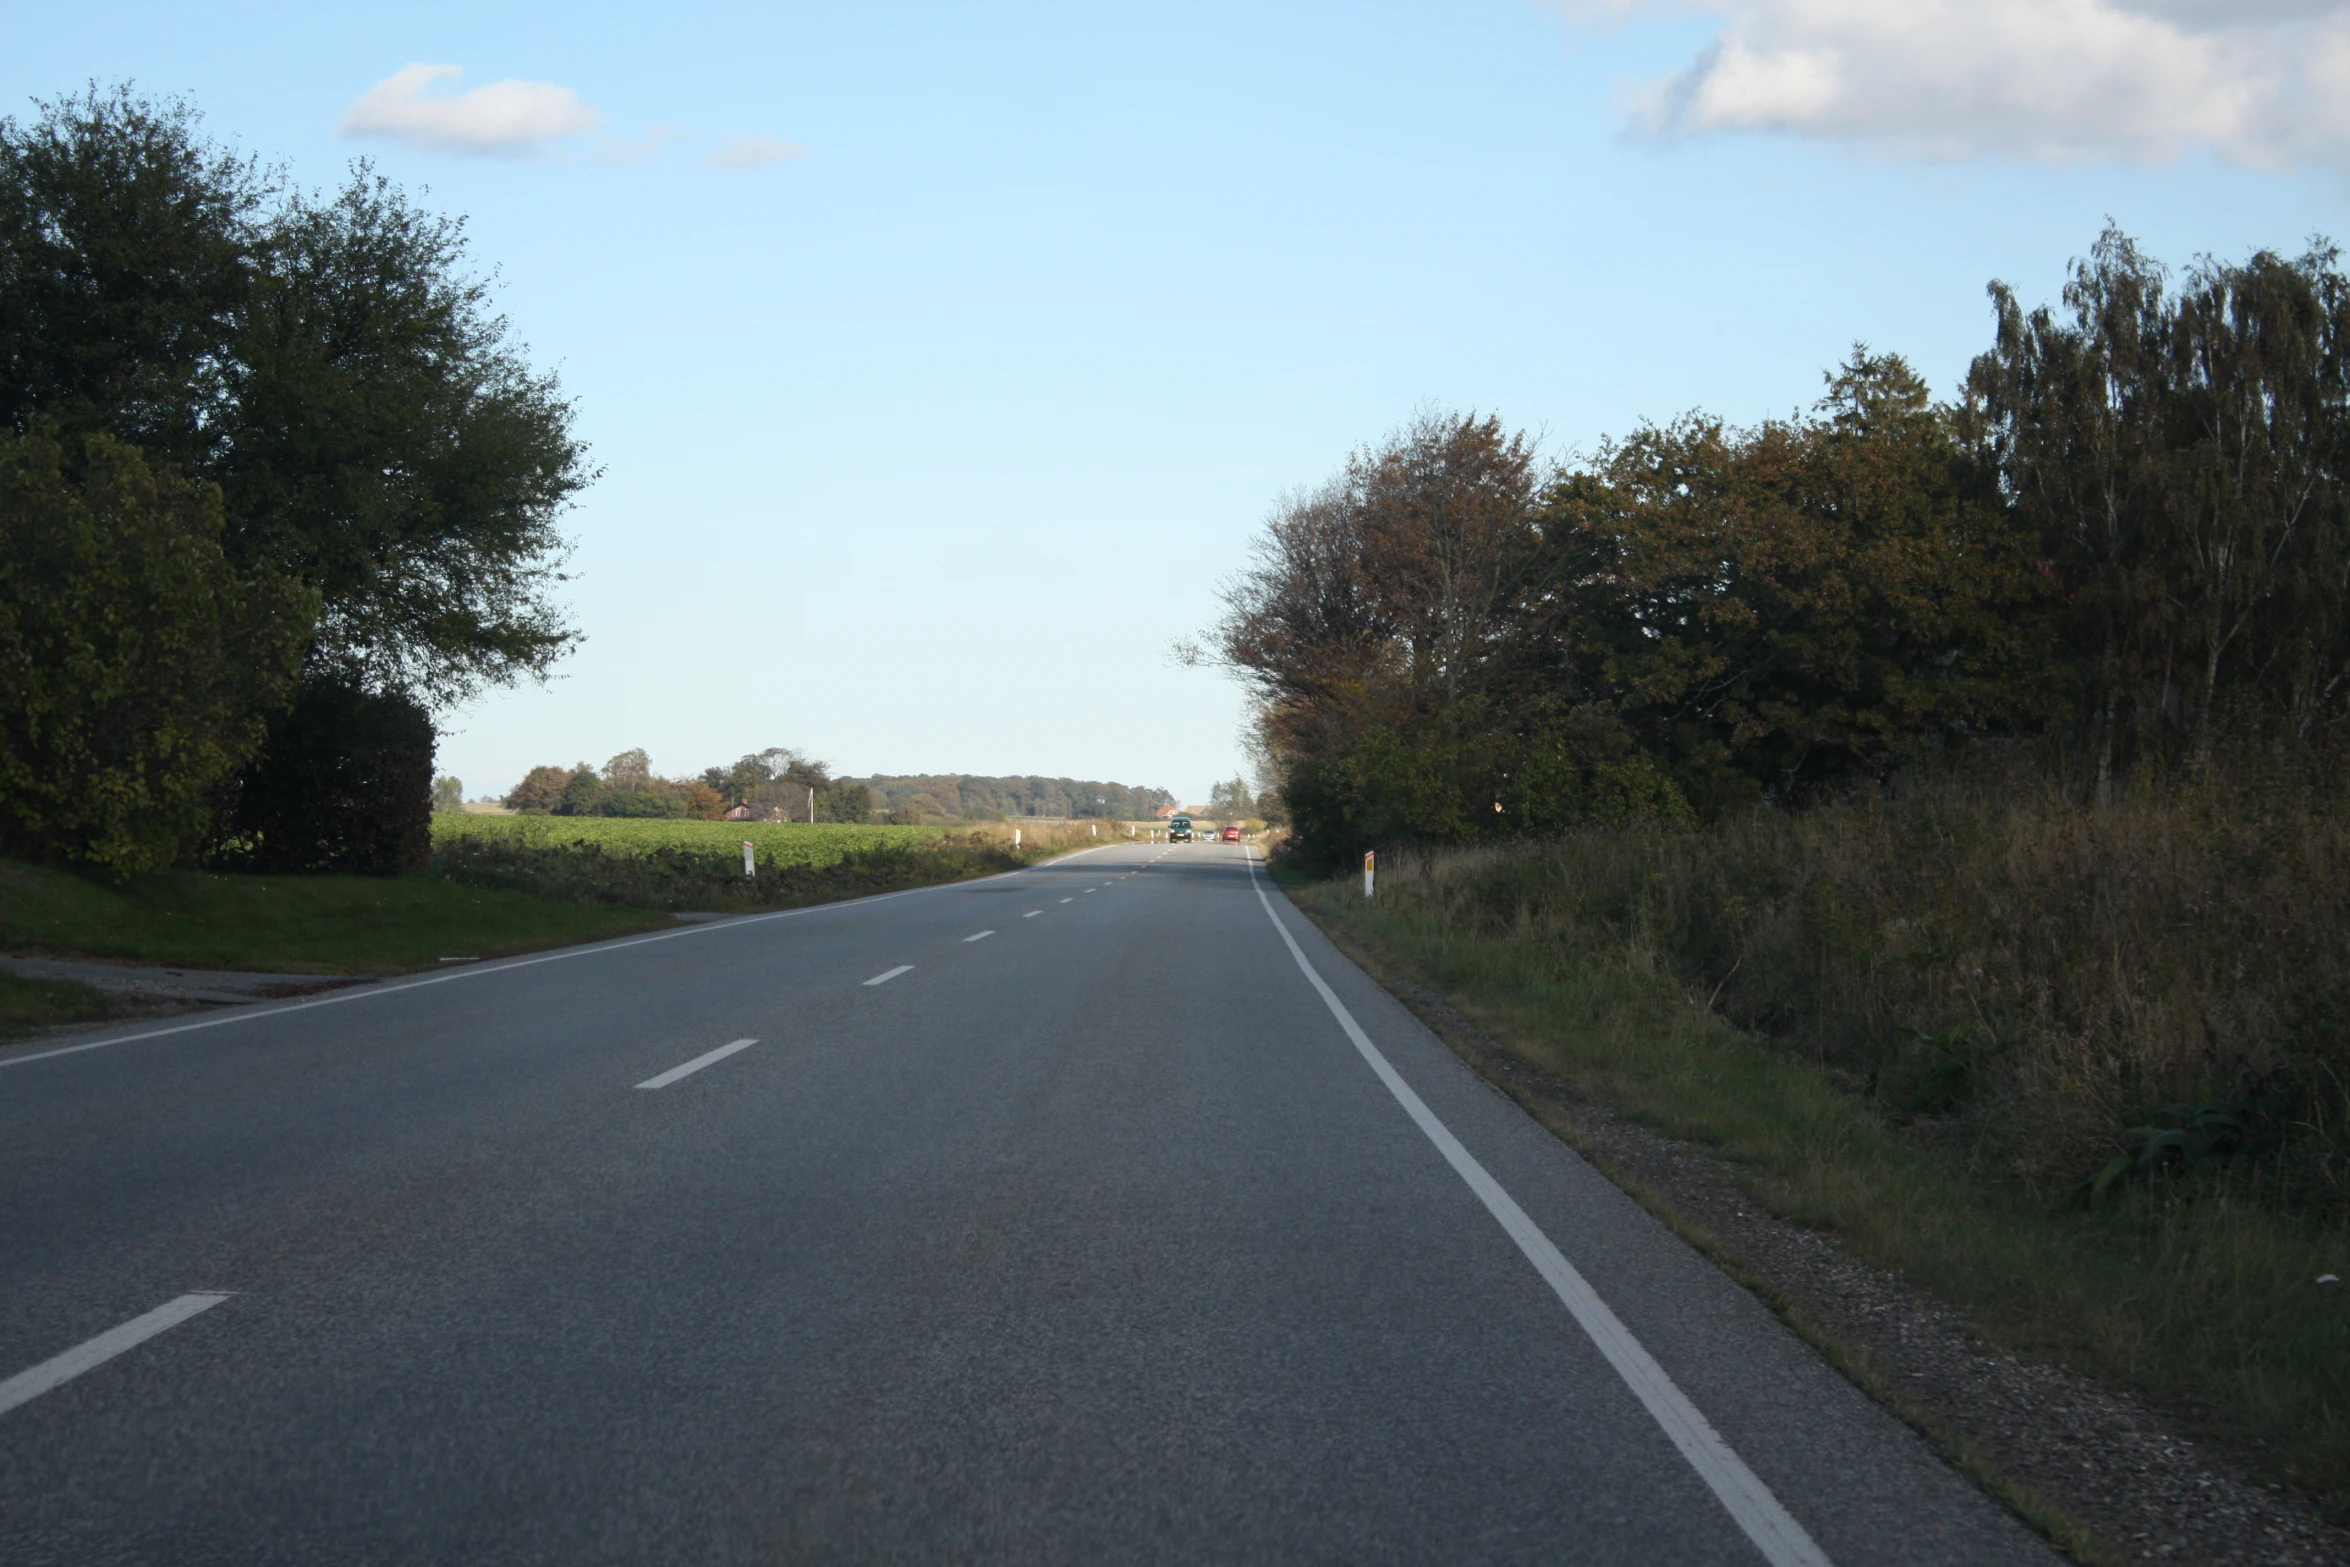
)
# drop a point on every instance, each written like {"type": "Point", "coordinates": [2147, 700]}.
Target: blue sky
{"type": "Point", "coordinates": [941, 360]}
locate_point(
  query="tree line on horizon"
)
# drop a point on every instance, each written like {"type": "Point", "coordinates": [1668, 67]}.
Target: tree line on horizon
{"type": "Point", "coordinates": [777, 783]}
{"type": "Point", "coordinates": [275, 483]}
{"type": "Point", "coordinates": [930, 797]}
{"type": "Point", "coordinates": [2125, 545]}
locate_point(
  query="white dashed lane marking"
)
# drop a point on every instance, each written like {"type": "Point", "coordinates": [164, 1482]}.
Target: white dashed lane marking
{"type": "Point", "coordinates": [26, 1386]}
{"type": "Point", "coordinates": [689, 1068]}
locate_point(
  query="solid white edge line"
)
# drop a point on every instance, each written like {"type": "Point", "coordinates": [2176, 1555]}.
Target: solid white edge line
{"type": "Point", "coordinates": [887, 975]}
{"type": "Point", "coordinates": [372, 992]}
{"type": "Point", "coordinates": [26, 1386]}
{"type": "Point", "coordinates": [689, 1068]}
{"type": "Point", "coordinates": [981, 936]}
{"type": "Point", "coordinates": [1749, 1502]}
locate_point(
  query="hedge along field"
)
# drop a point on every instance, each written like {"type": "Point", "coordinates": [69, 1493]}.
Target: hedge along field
{"type": "Point", "coordinates": [774, 844]}
{"type": "Point", "coordinates": [680, 865]}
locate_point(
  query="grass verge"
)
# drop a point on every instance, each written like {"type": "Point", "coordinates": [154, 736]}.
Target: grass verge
{"type": "Point", "coordinates": [2198, 1296]}
{"type": "Point", "coordinates": [485, 895]}
{"type": "Point", "coordinates": [27, 1004]}
{"type": "Point", "coordinates": [289, 924]}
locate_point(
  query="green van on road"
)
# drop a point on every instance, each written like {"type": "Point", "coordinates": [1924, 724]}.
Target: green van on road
{"type": "Point", "coordinates": [1179, 829]}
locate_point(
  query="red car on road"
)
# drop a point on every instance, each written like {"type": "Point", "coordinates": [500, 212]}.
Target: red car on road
{"type": "Point", "coordinates": [1232, 835]}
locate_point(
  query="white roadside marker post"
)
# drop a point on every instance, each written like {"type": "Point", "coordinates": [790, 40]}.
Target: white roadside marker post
{"type": "Point", "coordinates": [747, 868]}
{"type": "Point", "coordinates": [1015, 837]}
{"type": "Point", "coordinates": [811, 807]}
{"type": "Point", "coordinates": [1370, 870]}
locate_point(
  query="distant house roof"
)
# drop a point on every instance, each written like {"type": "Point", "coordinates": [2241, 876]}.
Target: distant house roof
{"type": "Point", "coordinates": [741, 813]}
{"type": "Point", "coordinates": [1166, 810]}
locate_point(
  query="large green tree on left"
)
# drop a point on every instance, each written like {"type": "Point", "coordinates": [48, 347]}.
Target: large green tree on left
{"type": "Point", "coordinates": [325, 362]}
{"type": "Point", "coordinates": [137, 663]}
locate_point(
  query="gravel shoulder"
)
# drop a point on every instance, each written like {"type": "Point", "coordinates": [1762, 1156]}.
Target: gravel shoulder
{"type": "Point", "coordinates": [145, 988]}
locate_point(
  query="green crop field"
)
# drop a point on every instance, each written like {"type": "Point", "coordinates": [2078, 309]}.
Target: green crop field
{"type": "Point", "coordinates": [776, 844]}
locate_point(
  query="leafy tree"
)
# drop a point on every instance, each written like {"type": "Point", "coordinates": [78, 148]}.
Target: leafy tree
{"type": "Point", "coordinates": [328, 362]}
{"type": "Point", "coordinates": [2181, 456]}
{"type": "Point", "coordinates": [1231, 800]}
{"type": "Point", "coordinates": [389, 445]}
{"type": "Point", "coordinates": [448, 794]}
{"type": "Point", "coordinates": [540, 791]}
{"type": "Point", "coordinates": [1803, 604]}
{"type": "Point", "coordinates": [843, 801]}
{"type": "Point", "coordinates": [136, 661]}
{"type": "Point", "coordinates": [583, 794]}
{"type": "Point", "coordinates": [129, 249]}
{"type": "Point", "coordinates": [2071, 415]}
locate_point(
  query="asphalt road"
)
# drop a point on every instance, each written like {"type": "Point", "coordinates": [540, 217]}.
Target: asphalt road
{"type": "Point", "coordinates": [1100, 1237]}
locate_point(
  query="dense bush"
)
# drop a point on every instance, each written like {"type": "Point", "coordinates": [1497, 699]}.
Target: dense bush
{"type": "Point", "coordinates": [343, 784]}
{"type": "Point", "coordinates": [136, 661]}
{"type": "Point", "coordinates": [689, 877]}
{"type": "Point", "coordinates": [1988, 962]}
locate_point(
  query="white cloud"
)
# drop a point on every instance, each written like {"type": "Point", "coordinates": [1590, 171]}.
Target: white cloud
{"type": "Point", "coordinates": [738, 152]}
{"type": "Point", "coordinates": [2258, 81]}
{"type": "Point", "coordinates": [510, 118]}
{"type": "Point", "coordinates": [645, 149]}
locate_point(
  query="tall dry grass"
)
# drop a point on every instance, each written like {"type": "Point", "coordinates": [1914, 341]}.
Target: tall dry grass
{"type": "Point", "coordinates": [2006, 971]}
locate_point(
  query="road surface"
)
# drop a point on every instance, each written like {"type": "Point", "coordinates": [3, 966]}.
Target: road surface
{"type": "Point", "coordinates": [1097, 1213]}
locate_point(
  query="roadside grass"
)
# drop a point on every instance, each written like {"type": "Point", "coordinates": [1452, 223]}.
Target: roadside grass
{"type": "Point", "coordinates": [27, 1004]}
{"type": "Point", "coordinates": [289, 924]}
{"type": "Point", "coordinates": [2198, 1293]}
{"type": "Point", "coordinates": [525, 884]}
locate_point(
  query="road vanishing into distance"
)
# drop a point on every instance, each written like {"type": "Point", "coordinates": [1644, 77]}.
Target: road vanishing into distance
{"type": "Point", "coordinates": [1100, 1212]}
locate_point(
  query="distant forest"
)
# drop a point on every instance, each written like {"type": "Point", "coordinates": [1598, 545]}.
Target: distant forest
{"type": "Point", "coordinates": [778, 783]}
{"type": "Point", "coordinates": [955, 795]}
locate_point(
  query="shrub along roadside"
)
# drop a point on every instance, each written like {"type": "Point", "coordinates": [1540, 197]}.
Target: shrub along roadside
{"type": "Point", "coordinates": [286, 924]}
{"type": "Point", "coordinates": [585, 870]}
{"type": "Point", "coordinates": [2196, 1293]}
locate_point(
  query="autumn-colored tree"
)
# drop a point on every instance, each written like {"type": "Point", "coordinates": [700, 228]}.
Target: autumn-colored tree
{"type": "Point", "coordinates": [540, 791]}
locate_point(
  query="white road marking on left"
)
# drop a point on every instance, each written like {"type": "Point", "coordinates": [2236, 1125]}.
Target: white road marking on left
{"type": "Point", "coordinates": [982, 936]}
{"type": "Point", "coordinates": [887, 975]}
{"type": "Point", "coordinates": [26, 1386]}
{"type": "Point", "coordinates": [687, 1069]}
